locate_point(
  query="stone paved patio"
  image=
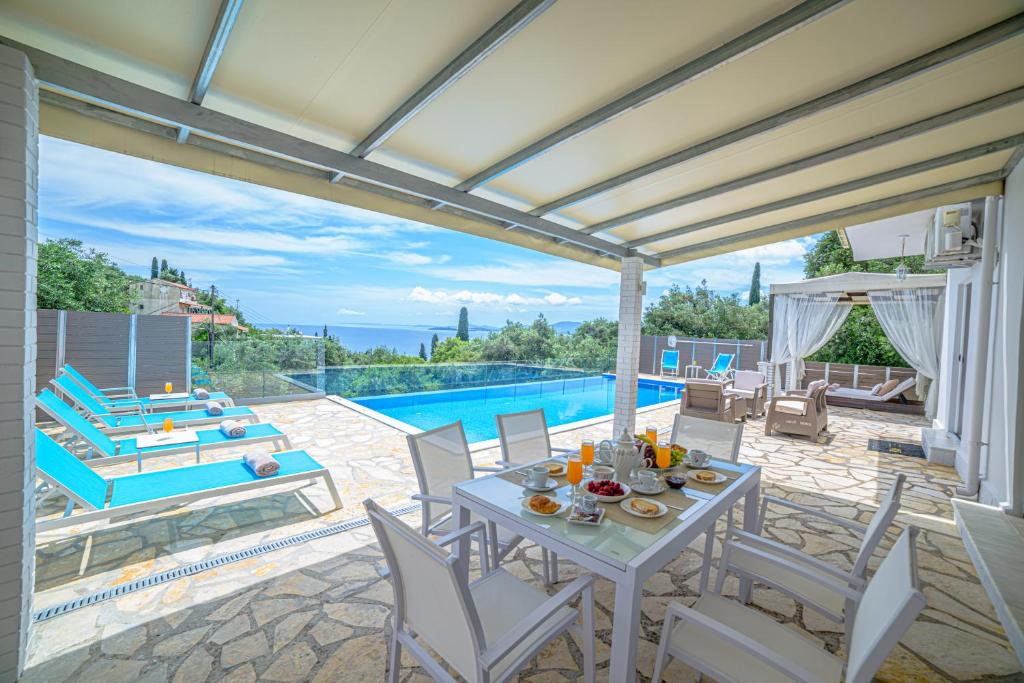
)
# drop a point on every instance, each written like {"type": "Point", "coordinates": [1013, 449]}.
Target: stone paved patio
{"type": "Point", "coordinates": [317, 611]}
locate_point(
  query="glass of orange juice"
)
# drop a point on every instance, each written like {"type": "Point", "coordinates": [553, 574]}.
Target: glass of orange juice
{"type": "Point", "coordinates": [168, 424]}
{"type": "Point", "coordinates": [663, 456]}
{"type": "Point", "coordinates": [652, 434]}
{"type": "Point", "coordinates": [168, 388]}
{"type": "Point", "coordinates": [587, 456]}
{"type": "Point", "coordinates": [574, 473]}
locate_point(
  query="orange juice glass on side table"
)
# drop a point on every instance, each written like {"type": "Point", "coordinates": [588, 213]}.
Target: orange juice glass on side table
{"type": "Point", "coordinates": [574, 474]}
{"type": "Point", "coordinates": [168, 425]}
{"type": "Point", "coordinates": [168, 388]}
{"type": "Point", "coordinates": [652, 434]}
{"type": "Point", "coordinates": [587, 456]}
{"type": "Point", "coordinates": [663, 455]}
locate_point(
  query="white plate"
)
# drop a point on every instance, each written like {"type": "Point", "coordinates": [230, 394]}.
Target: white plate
{"type": "Point", "coordinates": [606, 499]}
{"type": "Point", "coordinates": [659, 488]}
{"type": "Point", "coordinates": [550, 486]}
{"type": "Point", "coordinates": [561, 507]}
{"type": "Point", "coordinates": [661, 508]}
{"type": "Point", "coordinates": [557, 473]}
{"type": "Point", "coordinates": [719, 477]}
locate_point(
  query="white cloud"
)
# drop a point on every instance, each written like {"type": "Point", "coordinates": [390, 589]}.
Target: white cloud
{"type": "Point", "coordinates": [465, 296]}
{"type": "Point", "coordinates": [546, 273]}
{"type": "Point", "coordinates": [349, 311]}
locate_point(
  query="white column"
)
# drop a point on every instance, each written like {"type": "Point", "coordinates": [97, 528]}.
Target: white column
{"type": "Point", "coordinates": [19, 146]}
{"type": "Point", "coordinates": [627, 361]}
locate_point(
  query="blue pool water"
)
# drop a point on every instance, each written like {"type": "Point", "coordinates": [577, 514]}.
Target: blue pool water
{"type": "Point", "coordinates": [563, 401]}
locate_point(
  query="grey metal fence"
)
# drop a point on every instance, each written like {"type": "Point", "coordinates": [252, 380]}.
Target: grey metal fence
{"type": "Point", "coordinates": [702, 352]}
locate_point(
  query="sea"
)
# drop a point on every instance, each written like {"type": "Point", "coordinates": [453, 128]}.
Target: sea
{"type": "Point", "coordinates": [403, 338]}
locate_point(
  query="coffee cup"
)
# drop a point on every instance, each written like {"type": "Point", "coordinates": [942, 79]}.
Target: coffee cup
{"type": "Point", "coordinates": [602, 472]}
{"type": "Point", "coordinates": [588, 503]}
{"type": "Point", "coordinates": [647, 480]}
{"type": "Point", "coordinates": [537, 476]}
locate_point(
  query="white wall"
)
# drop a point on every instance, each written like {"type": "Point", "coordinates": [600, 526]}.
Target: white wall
{"type": "Point", "coordinates": [1003, 404]}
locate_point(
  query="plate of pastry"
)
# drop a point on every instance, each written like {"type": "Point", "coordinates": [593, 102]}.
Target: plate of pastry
{"type": "Point", "coordinates": [643, 507]}
{"type": "Point", "coordinates": [706, 476]}
{"type": "Point", "coordinates": [542, 505]}
{"type": "Point", "coordinates": [555, 469]}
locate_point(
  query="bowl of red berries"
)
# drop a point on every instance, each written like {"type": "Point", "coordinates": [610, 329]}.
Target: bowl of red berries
{"type": "Point", "coordinates": [607, 491]}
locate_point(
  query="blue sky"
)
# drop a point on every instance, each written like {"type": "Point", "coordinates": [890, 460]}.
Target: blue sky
{"type": "Point", "coordinates": [294, 259]}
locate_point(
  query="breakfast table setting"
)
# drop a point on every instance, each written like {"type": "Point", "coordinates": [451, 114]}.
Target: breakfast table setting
{"type": "Point", "coordinates": [622, 510]}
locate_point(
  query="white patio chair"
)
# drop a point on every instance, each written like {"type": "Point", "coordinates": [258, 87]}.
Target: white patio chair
{"type": "Point", "coordinates": [486, 630]}
{"type": "Point", "coordinates": [720, 439]}
{"type": "Point", "coordinates": [441, 459]}
{"type": "Point", "coordinates": [731, 642]}
{"type": "Point", "coordinates": [823, 587]}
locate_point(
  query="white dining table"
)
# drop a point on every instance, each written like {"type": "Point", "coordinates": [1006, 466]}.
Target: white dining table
{"type": "Point", "coordinates": [618, 552]}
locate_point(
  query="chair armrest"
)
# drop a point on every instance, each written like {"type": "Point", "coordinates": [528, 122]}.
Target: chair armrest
{"type": "Point", "coordinates": [449, 538]}
{"type": "Point", "coordinates": [518, 633]}
{"type": "Point", "coordinates": [837, 585]}
{"type": "Point", "coordinates": [835, 519]}
{"type": "Point", "coordinates": [424, 498]}
{"type": "Point", "coordinates": [564, 450]}
{"type": "Point", "coordinates": [488, 468]}
{"type": "Point", "coordinates": [767, 656]}
{"type": "Point", "coordinates": [800, 556]}
{"type": "Point", "coordinates": [124, 391]}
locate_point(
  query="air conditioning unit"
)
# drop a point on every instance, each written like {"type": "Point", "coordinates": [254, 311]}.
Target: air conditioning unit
{"type": "Point", "coordinates": [952, 238]}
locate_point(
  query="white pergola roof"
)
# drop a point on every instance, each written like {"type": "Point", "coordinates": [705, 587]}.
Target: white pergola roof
{"type": "Point", "coordinates": [590, 129]}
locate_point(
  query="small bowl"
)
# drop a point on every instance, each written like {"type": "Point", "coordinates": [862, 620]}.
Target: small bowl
{"type": "Point", "coordinates": [675, 482]}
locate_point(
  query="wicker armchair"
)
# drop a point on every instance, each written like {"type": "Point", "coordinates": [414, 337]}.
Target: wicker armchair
{"type": "Point", "coordinates": [800, 412]}
{"type": "Point", "coordinates": [706, 398]}
{"type": "Point", "coordinates": [752, 386]}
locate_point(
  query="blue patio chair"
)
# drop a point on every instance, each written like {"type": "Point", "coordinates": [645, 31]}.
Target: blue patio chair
{"type": "Point", "coordinates": [722, 367]}
{"type": "Point", "coordinates": [200, 377]}
{"type": "Point", "coordinates": [100, 498]}
{"type": "Point", "coordinates": [129, 402]}
{"type": "Point", "coordinates": [669, 363]}
{"type": "Point", "coordinates": [121, 423]}
{"type": "Point", "coordinates": [105, 451]}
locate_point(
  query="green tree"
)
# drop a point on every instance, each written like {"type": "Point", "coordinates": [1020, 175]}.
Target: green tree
{"type": "Point", "coordinates": [423, 351]}
{"type": "Point", "coordinates": [163, 265]}
{"type": "Point", "coordinates": [754, 297]}
{"type": "Point", "coordinates": [433, 344]}
{"type": "Point", "coordinates": [455, 350]}
{"type": "Point", "coordinates": [74, 278]}
{"type": "Point", "coordinates": [860, 340]}
{"type": "Point", "coordinates": [463, 329]}
{"type": "Point", "coordinates": [701, 312]}
{"type": "Point", "coordinates": [154, 269]}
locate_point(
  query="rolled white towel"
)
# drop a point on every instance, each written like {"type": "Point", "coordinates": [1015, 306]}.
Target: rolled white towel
{"type": "Point", "coordinates": [261, 464]}
{"type": "Point", "coordinates": [200, 394]}
{"type": "Point", "coordinates": [214, 408]}
{"type": "Point", "coordinates": [233, 429]}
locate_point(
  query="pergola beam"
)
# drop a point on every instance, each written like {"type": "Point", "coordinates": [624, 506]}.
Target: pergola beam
{"type": "Point", "coordinates": [895, 135]}
{"type": "Point", "coordinates": [837, 214]}
{"type": "Point", "coordinates": [506, 27]}
{"type": "Point", "coordinates": [980, 40]}
{"type": "Point", "coordinates": [841, 188]}
{"type": "Point", "coordinates": [226, 17]}
{"type": "Point", "coordinates": [106, 90]}
{"type": "Point", "coordinates": [801, 15]}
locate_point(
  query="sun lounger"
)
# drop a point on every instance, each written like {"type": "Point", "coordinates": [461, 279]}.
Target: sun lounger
{"type": "Point", "coordinates": [866, 395]}
{"type": "Point", "coordinates": [122, 423]}
{"type": "Point", "coordinates": [105, 451]}
{"type": "Point", "coordinates": [121, 496]}
{"type": "Point", "coordinates": [123, 399]}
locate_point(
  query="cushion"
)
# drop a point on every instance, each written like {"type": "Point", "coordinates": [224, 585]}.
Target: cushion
{"type": "Point", "coordinates": [875, 389]}
{"type": "Point", "coordinates": [888, 386]}
{"type": "Point", "coordinates": [791, 407]}
{"type": "Point", "coordinates": [815, 386]}
{"type": "Point", "coordinates": [747, 380]}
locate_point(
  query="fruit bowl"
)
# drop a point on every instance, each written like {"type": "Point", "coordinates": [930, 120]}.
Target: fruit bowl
{"type": "Point", "coordinates": [646, 448]}
{"type": "Point", "coordinates": [613, 490]}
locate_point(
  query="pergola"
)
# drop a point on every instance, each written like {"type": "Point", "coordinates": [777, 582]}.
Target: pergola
{"type": "Point", "coordinates": [626, 135]}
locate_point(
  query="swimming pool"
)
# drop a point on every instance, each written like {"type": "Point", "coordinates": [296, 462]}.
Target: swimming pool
{"type": "Point", "coordinates": [563, 401]}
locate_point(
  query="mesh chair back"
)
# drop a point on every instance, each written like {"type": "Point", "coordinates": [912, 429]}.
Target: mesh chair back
{"type": "Point", "coordinates": [881, 520]}
{"type": "Point", "coordinates": [524, 437]}
{"type": "Point", "coordinates": [722, 363]}
{"type": "Point", "coordinates": [430, 599]}
{"type": "Point", "coordinates": [720, 439]}
{"type": "Point", "coordinates": [441, 458]}
{"type": "Point", "coordinates": [670, 360]}
{"type": "Point", "coordinates": [80, 395]}
{"type": "Point", "coordinates": [890, 605]}
{"type": "Point", "coordinates": [66, 415]}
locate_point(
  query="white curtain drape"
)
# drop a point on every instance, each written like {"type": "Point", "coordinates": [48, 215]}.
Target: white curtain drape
{"type": "Point", "coordinates": [801, 324]}
{"type": "Point", "coordinates": [912, 320]}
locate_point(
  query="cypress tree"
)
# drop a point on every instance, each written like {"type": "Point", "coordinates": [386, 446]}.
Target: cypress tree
{"type": "Point", "coordinates": [434, 341]}
{"type": "Point", "coordinates": [154, 269]}
{"type": "Point", "coordinates": [423, 351]}
{"type": "Point", "coordinates": [463, 330]}
{"type": "Point", "coordinates": [163, 266]}
{"type": "Point", "coordinates": [755, 285]}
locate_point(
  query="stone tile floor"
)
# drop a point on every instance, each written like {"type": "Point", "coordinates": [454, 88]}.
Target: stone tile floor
{"type": "Point", "coordinates": [317, 611]}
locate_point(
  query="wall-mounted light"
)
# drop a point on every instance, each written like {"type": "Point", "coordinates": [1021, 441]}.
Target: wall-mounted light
{"type": "Point", "coordinates": [901, 269]}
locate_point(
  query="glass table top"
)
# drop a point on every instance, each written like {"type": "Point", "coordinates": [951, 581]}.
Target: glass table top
{"type": "Point", "coordinates": [611, 540]}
